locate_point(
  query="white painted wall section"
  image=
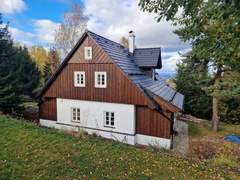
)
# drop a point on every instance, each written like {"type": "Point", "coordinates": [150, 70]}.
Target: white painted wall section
{"type": "Point", "coordinates": [92, 121]}
{"type": "Point", "coordinates": [92, 115]}
{"type": "Point", "coordinates": [152, 140]}
{"type": "Point", "coordinates": [123, 138]}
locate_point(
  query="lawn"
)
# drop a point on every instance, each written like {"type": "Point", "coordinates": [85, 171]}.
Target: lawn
{"type": "Point", "coordinates": [31, 152]}
{"type": "Point", "coordinates": [209, 146]}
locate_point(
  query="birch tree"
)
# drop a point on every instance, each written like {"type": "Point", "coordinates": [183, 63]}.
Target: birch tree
{"type": "Point", "coordinates": [73, 26]}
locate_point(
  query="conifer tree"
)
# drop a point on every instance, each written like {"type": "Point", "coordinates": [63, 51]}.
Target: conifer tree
{"type": "Point", "coordinates": [18, 74]}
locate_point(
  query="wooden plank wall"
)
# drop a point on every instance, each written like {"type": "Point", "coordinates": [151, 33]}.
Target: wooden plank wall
{"type": "Point", "coordinates": [151, 122]}
{"type": "Point", "coordinates": [48, 109]}
{"type": "Point", "coordinates": [98, 55]}
{"type": "Point", "coordinates": [119, 88]}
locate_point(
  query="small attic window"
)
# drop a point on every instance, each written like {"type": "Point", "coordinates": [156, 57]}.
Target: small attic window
{"type": "Point", "coordinates": [88, 53]}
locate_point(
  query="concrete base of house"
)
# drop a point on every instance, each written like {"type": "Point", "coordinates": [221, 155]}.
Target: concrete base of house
{"type": "Point", "coordinates": [131, 139]}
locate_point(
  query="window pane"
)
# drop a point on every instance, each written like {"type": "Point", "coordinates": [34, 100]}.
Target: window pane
{"type": "Point", "coordinates": [99, 79]}
{"type": "Point", "coordinates": [78, 79]}
{"type": "Point", "coordinates": [112, 123]}
{"type": "Point", "coordinates": [88, 52]}
{"type": "Point", "coordinates": [74, 116]}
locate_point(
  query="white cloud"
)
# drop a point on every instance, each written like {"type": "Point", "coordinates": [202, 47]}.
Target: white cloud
{"type": "Point", "coordinates": [21, 36]}
{"type": "Point", "coordinates": [45, 30]}
{"type": "Point", "coordinates": [115, 18]}
{"type": "Point", "coordinates": [42, 33]}
{"type": "Point", "coordinates": [12, 6]}
{"type": "Point", "coordinates": [170, 59]}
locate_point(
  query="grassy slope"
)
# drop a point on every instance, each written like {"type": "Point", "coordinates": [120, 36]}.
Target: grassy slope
{"type": "Point", "coordinates": [211, 147]}
{"type": "Point", "coordinates": [200, 130]}
{"type": "Point", "coordinates": [30, 152]}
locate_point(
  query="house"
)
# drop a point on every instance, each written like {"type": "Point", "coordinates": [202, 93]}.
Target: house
{"type": "Point", "coordinates": [113, 91]}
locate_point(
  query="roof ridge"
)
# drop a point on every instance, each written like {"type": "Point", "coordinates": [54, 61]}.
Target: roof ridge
{"type": "Point", "coordinates": [149, 48]}
{"type": "Point", "coordinates": [106, 38]}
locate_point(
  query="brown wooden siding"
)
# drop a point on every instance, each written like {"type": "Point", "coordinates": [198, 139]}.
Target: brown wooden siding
{"type": "Point", "coordinates": [151, 122]}
{"type": "Point", "coordinates": [98, 55]}
{"type": "Point", "coordinates": [48, 109]}
{"type": "Point", "coordinates": [119, 88]}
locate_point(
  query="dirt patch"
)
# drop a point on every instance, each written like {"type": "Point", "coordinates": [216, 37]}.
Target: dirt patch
{"type": "Point", "coordinates": [216, 151]}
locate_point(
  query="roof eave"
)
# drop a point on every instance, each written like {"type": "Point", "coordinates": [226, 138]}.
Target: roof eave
{"type": "Point", "coordinates": [65, 61]}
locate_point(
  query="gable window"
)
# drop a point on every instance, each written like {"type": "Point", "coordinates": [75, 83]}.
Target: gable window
{"type": "Point", "coordinates": [75, 113]}
{"type": "Point", "coordinates": [109, 119]}
{"type": "Point", "coordinates": [100, 79]}
{"type": "Point", "coordinates": [79, 79]}
{"type": "Point", "coordinates": [88, 53]}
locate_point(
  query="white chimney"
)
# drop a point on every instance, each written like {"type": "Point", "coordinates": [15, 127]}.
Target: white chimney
{"type": "Point", "coordinates": [131, 41]}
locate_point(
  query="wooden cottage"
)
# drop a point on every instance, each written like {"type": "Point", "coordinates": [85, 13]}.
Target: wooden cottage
{"type": "Point", "coordinates": [113, 91]}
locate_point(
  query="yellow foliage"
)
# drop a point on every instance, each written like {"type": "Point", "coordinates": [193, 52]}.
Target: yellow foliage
{"type": "Point", "coordinates": [39, 55]}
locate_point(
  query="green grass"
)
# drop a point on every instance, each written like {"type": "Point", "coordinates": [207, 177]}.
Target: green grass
{"type": "Point", "coordinates": [30, 152]}
{"type": "Point", "coordinates": [205, 129]}
{"type": "Point", "coordinates": [204, 141]}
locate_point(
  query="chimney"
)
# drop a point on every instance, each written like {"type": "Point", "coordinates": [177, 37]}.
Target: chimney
{"type": "Point", "coordinates": [131, 41]}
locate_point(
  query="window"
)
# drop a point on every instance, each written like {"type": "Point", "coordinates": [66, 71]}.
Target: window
{"type": "Point", "coordinates": [109, 119]}
{"type": "Point", "coordinates": [75, 112]}
{"type": "Point", "coordinates": [79, 79]}
{"type": "Point", "coordinates": [100, 79]}
{"type": "Point", "coordinates": [88, 53]}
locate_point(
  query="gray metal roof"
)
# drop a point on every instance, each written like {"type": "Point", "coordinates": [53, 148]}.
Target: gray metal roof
{"type": "Point", "coordinates": [130, 66]}
{"type": "Point", "coordinates": [148, 57]}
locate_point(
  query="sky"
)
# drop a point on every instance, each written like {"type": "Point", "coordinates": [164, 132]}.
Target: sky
{"type": "Point", "coordinates": [33, 22]}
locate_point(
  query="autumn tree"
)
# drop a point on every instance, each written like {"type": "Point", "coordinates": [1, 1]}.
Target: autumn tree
{"type": "Point", "coordinates": [51, 65]}
{"type": "Point", "coordinates": [213, 30]}
{"type": "Point", "coordinates": [53, 59]}
{"type": "Point", "coordinates": [73, 25]}
{"type": "Point", "coordinates": [124, 41]}
{"type": "Point", "coordinates": [39, 55]}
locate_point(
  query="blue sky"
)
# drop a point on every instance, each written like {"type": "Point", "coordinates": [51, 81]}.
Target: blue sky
{"type": "Point", "coordinates": [33, 22]}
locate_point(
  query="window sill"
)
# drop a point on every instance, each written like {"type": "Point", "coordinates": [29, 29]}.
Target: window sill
{"type": "Point", "coordinates": [75, 121]}
{"type": "Point", "coordinates": [109, 127]}
{"type": "Point", "coordinates": [100, 86]}
{"type": "Point", "coordinates": [79, 86]}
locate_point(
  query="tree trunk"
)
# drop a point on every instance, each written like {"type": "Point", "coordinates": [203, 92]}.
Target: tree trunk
{"type": "Point", "coordinates": [215, 117]}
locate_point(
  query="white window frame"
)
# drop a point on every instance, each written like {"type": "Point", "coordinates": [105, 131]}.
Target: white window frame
{"type": "Point", "coordinates": [81, 81]}
{"type": "Point", "coordinates": [88, 53]}
{"type": "Point", "coordinates": [75, 114]}
{"type": "Point", "coordinates": [99, 82]}
{"type": "Point", "coordinates": [109, 118]}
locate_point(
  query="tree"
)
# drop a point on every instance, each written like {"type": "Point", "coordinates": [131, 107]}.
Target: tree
{"type": "Point", "coordinates": [39, 56]}
{"type": "Point", "coordinates": [212, 28]}
{"type": "Point", "coordinates": [124, 42]}
{"type": "Point", "coordinates": [191, 78]}
{"type": "Point", "coordinates": [47, 72]}
{"type": "Point", "coordinates": [53, 59]}
{"type": "Point", "coordinates": [18, 73]}
{"type": "Point", "coordinates": [73, 25]}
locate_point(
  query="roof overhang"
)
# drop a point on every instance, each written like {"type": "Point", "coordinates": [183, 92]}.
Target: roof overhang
{"type": "Point", "coordinates": [65, 61]}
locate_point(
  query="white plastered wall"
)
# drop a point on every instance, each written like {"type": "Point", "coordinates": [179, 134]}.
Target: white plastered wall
{"type": "Point", "coordinates": [92, 121]}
